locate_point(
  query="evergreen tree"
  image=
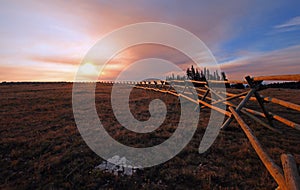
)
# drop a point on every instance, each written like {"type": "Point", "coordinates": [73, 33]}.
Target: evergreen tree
{"type": "Point", "coordinates": [188, 73]}
{"type": "Point", "coordinates": [208, 75]}
{"type": "Point", "coordinates": [224, 76]}
{"type": "Point", "coordinates": [197, 75]}
{"type": "Point", "coordinates": [201, 74]}
{"type": "Point", "coordinates": [218, 76]}
{"type": "Point", "coordinates": [193, 73]}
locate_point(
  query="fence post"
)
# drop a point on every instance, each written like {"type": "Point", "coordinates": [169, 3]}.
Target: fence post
{"type": "Point", "coordinates": [239, 107]}
{"type": "Point", "coordinates": [260, 100]}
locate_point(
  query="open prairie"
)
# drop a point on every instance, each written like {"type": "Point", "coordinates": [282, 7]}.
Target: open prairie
{"type": "Point", "coordinates": [41, 147]}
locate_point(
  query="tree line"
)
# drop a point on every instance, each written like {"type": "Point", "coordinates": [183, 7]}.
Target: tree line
{"type": "Point", "coordinates": [202, 75]}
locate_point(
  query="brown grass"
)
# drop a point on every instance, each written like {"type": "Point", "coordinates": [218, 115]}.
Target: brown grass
{"type": "Point", "coordinates": [42, 148]}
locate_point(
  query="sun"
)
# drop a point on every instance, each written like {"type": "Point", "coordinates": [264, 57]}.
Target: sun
{"type": "Point", "coordinates": [88, 69]}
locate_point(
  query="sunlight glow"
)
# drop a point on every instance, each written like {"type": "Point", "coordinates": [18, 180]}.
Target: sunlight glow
{"type": "Point", "coordinates": [88, 69]}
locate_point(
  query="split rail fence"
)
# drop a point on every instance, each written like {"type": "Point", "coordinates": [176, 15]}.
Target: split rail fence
{"type": "Point", "coordinates": [286, 177]}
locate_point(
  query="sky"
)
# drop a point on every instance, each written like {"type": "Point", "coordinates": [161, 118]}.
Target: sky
{"type": "Point", "coordinates": [47, 40]}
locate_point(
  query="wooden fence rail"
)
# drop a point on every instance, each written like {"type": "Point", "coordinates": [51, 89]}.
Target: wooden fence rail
{"type": "Point", "coordinates": [274, 170]}
{"type": "Point", "coordinates": [288, 177]}
{"type": "Point", "coordinates": [278, 77]}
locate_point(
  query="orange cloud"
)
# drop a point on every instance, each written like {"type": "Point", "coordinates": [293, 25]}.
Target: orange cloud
{"type": "Point", "coordinates": [145, 51]}
{"type": "Point", "coordinates": [54, 59]}
{"type": "Point", "coordinates": [23, 73]}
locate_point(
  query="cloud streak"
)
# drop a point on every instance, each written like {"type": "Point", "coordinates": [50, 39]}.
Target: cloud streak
{"type": "Point", "coordinates": [278, 62]}
{"type": "Point", "coordinates": [290, 23]}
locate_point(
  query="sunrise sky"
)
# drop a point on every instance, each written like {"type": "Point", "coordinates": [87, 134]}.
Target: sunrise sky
{"type": "Point", "coordinates": [46, 40]}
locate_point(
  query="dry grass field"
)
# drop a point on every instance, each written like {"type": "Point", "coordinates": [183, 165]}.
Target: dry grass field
{"type": "Point", "coordinates": [41, 147]}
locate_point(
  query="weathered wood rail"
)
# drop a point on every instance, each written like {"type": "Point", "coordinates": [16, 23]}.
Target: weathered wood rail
{"type": "Point", "coordinates": [286, 177]}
